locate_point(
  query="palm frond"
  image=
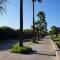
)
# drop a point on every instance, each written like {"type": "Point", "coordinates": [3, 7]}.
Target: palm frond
{"type": "Point", "coordinates": [33, 0]}
{"type": "Point", "coordinates": [2, 5]}
{"type": "Point", "coordinates": [40, 1]}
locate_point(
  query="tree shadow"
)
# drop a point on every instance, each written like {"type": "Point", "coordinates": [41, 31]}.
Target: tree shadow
{"type": "Point", "coordinates": [6, 46]}
{"type": "Point", "coordinates": [56, 40]}
{"type": "Point", "coordinates": [38, 53]}
{"type": "Point", "coordinates": [45, 54]}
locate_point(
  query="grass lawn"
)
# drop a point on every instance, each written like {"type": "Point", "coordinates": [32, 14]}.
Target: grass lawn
{"type": "Point", "coordinates": [57, 41]}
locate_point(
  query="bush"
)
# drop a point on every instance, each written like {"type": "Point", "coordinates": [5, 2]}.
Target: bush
{"type": "Point", "coordinates": [15, 49]}
{"type": "Point", "coordinates": [25, 50]}
{"type": "Point", "coordinates": [22, 50]}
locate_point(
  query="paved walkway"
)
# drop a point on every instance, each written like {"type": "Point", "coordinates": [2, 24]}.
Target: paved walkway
{"type": "Point", "coordinates": [42, 51]}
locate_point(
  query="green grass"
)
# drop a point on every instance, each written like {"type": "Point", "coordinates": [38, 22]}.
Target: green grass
{"type": "Point", "coordinates": [57, 41]}
{"type": "Point", "coordinates": [23, 50]}
{"type": "Point", "coordinates": [56, 38]}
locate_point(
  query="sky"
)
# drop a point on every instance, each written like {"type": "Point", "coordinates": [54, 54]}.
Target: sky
{"type": "Point", "coordinates": [11, 18]}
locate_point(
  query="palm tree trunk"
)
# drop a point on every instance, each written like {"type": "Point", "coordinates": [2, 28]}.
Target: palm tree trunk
{"type": "Point", "coordinates": [37, 36]}
{"type": "Point", "coordinates": [21, 23]}
{"type": "Point", "coordinates": [33, 20]}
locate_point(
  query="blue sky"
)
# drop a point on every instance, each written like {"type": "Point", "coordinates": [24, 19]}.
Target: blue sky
{"type": "Point", "coordinates": [11, 18]}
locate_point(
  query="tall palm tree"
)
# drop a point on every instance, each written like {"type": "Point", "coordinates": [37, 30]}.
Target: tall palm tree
{"type": "Point", "coordinates": [2, 8]}
{"type": "Point", "coordinates": [33, 1]}
{"type": "Point", "coordinates": [21, 23]}
{"type": "Point", "coordinates": [2, 5]}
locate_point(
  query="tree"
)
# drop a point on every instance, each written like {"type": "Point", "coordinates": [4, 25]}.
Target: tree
{"type": "Point", "coordinates": [33, 1]}
{"type": "Point", "coordinates": [21, 23]}
{"type": "Point", "coordinates": [50, 32]}
{"type": "Point", "coordinates": [41, 24]}
{"type": "Point", "coordinates": [2, 8]}
{"type": "Point", "coordinates": [54, 30]}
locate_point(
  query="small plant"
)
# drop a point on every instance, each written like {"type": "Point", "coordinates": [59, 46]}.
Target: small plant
{"type": "Point", "coordinates": [25, 50]}
{"type": "Point", "coordinates": [22, 50]}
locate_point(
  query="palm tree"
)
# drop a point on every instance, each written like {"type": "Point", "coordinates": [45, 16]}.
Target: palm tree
{"type": "Point", "coordinates": [2, 8]}
{"type": "Point", "coordinates": [21, 23]}
{"type": "Point", "coordinates": [2, 5]}
{"type": "Point", "coordinates": [33, 18]}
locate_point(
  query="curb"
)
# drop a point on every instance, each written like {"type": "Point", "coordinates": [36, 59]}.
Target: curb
{"type": "Point", "coordinates": [57, 50]}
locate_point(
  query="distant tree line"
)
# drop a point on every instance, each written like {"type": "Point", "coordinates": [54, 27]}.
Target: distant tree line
{"type": "Point", "coordinates": [9, 33]}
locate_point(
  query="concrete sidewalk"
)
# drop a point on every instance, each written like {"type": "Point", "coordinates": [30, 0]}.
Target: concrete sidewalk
{"type": "Point", "coordinates": [42, 51]}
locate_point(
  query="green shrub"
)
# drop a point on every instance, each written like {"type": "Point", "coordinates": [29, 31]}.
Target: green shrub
{"type": "Point", "coordinates": [22, 50]}
{"type": "Point", "coordinates": [15, 49]}
{"type": "Point", "coordinates": [25, 50]}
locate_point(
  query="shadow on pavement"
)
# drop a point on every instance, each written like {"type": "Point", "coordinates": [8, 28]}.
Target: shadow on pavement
{"type": "Point", "coordinates": [6, 46]}
{"type": "Point", "coordinates": [38, 53]}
